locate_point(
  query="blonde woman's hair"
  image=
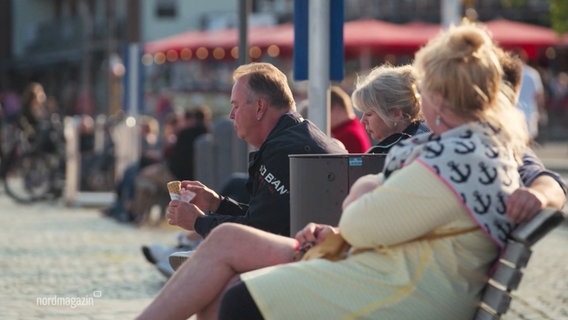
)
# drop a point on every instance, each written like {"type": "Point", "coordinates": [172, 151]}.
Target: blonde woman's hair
{"type": "Point", "coordinates": [462, 65]}
{"type": "Point", "coordinates": [387, 88]}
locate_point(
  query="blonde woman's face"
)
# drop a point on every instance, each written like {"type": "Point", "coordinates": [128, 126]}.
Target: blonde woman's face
{"type": "Point", "coordinates": [375, 126]}
{"type": "Point", "coordinates": [429, 110]}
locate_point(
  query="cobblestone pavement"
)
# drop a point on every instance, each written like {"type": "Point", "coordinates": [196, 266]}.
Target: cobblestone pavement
{"type": "Point", "coordinates": [71, 263]}
{"type": "Point", "coordinates": [543, 293]}
{"type": "Point", "coordinates": [58, 262]}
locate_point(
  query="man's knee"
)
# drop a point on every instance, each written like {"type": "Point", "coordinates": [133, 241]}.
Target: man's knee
{"type": "Point", "coordinates": [225, 230]}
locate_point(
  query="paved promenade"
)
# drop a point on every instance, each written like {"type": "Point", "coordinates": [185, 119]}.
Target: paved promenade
{"type": "Point", "coordinates": [71, 263]}
{"type": "Point", "coordinates": [68, 263]}
{"type": "Point", "coordinates": [543, 293]}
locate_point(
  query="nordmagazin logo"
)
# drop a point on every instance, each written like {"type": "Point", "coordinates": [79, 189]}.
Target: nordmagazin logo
{"type": "Point", "coordinates": [71, 302]}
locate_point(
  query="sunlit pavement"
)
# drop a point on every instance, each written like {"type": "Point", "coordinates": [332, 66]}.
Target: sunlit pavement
{"type": "Point", "coordinates": [72, 263]}
{"type": "Point", "coordinates": [543, 293]}
{"type": "Point", "coordinates": [58, 262]}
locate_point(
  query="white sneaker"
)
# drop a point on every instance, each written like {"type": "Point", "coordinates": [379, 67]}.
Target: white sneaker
{"type": "Point", "coordinates": [177, 258]}
{"type": "Point", "coordinates": [165, 269]}
{"type": "Point", "coordinates": [158, 252]}
{"type": "Point", "coordinates": [183, 241]}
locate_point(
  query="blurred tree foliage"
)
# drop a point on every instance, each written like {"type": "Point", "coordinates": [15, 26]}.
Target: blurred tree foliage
{"type": "Point", "coordinates": [558, 12]}
{"type": "Point", "coordinates": [559, 15]}
{"type": "Point", "coordinates": [514, 3]}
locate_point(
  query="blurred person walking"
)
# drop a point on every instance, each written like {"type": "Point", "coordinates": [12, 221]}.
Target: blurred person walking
{"type": "Point", "coordinates": [531, 96]}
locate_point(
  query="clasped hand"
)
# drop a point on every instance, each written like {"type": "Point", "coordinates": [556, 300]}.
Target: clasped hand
{"type": "Point", "coordinates": [185, 214]}
{"type": "Point", "coordinates": [315, 233]}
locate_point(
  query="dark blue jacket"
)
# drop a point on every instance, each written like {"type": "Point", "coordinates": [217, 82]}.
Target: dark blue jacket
{"type": "Point", "coordinates": [269, 177]}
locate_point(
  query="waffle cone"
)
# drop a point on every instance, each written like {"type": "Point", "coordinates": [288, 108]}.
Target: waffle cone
{"type": "Point", "coordinates": [174, 187]}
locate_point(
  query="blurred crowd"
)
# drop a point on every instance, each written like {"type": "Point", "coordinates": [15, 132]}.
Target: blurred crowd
{"type": "Point", "coordinates": [166, 146]}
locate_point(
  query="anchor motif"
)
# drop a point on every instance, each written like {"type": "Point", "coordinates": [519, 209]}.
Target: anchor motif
{"type": "Point", "coordinates": [462, 176]}
{"type": "Point", "coordinates": [487, 228]}
{"type": "Point", "coordinates": [434, 137]}
{"type": "Point", "coordinates": [503, 229]}
{"type": "Point", "coordinates": [484, 206]}
{"type": "Point", "coordinates": [467, 148]}
{"type": "Point", "coordinates": [391, 167]}
{"type": "Point", "coordinates": [501, 207]}
{"type": "Point", "coordinates": [467, 134]}
{"type": "Point", "coordinates": [437, 169]}
{"type": "Point", "coordinates": [507, 180]}
{"type": "Point", "coordinates": [491, 152]}
{"type": "Point", "coordinates": [464, 199]}
{"type": "Point", "coordinates": [434, 153]}
{"type": "Point", "coordinates": [487, 177]}
{"type": "Point", "coordinates": [388, 172]}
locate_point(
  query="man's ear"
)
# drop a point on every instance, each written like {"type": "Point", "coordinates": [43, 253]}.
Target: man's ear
{"type": "Point", "coordinates": [261, 107]}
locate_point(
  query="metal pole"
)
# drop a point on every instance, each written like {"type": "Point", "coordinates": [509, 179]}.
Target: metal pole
{"type": "Point", "coordinates": [110, 50]}
{"type": "Point", "coordinates": [318, 65]}
{"type": "Point", "coordinates": [133, 74]}
{"type": "Point", "coordinates": [451, 12]}
{"type": "Point", "coordinates": [240, 147]}
{"type": "Point", "coordinates": [86, 60]}
{"type": "Point", "coordinates": [244, 10]}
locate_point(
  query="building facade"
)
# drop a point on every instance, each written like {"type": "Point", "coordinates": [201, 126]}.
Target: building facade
{"type": "Point", "coordinates": [76, 48]}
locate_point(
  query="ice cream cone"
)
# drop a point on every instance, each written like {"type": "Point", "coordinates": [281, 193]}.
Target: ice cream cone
{"type": "Point", "coordinates": [174, 188]}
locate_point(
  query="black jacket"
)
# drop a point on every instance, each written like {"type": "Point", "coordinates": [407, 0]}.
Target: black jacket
{"type": "Point", "coordinates": [387, 143]}
{"type": "Point", "coordinates": [269, 177]}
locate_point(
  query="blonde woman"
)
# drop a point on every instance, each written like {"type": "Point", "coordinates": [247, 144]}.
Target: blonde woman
{"type": "Point", "coordinates": [423, 234]}
{"type": "Point", "coordinates": [390, 106]}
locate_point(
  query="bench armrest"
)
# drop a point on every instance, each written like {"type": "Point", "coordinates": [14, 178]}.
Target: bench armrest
{"type": "Point", "coordinates": [533, 230]}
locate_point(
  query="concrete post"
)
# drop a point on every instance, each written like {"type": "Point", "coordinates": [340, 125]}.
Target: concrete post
{"type": "Point", "coordinates": [318, 55]}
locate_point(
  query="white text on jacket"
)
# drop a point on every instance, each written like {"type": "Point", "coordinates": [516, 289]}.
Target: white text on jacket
{"type": "Point", "coordinates": [271, 179]}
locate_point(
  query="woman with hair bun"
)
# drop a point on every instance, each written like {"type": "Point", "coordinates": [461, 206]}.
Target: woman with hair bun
{"type": "Point", "coordinates": [422, 235]}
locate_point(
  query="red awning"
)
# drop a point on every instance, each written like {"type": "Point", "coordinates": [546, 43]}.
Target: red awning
{"type": "Point", "coordinates": [531, 38]}
{"type": "Point", "coordinates": [281, 36]}
{"type": "Point", "coordinates": [563, 40]}
{"type": "Point", "coordinates": [384, 37]}
{"type": "Point", "coordinates": [189, 39]}
{"type": "Point", "coordinates": [369, 35]}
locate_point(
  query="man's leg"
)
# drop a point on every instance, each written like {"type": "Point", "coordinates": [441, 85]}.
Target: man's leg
{"type": "Point", "coordinates": [229, 250]}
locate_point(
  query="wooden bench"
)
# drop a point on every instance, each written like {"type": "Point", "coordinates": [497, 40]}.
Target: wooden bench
{"type": "Point", "coordinates": [496, 297]}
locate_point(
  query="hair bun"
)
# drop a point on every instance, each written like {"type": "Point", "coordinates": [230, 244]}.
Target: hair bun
{"type": "Point", "coordinates": [465, 41]}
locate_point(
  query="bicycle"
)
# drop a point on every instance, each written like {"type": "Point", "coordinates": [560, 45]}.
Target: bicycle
{"type": "Point", "coordinates": [34, 170]}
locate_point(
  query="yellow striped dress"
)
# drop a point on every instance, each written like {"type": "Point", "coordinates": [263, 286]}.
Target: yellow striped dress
{"type": "Point", "coordinates": [435, 277]}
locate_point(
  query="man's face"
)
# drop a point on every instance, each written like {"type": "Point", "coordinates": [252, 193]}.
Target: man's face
{"type": "Point", "coordinates": [243, 112]}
